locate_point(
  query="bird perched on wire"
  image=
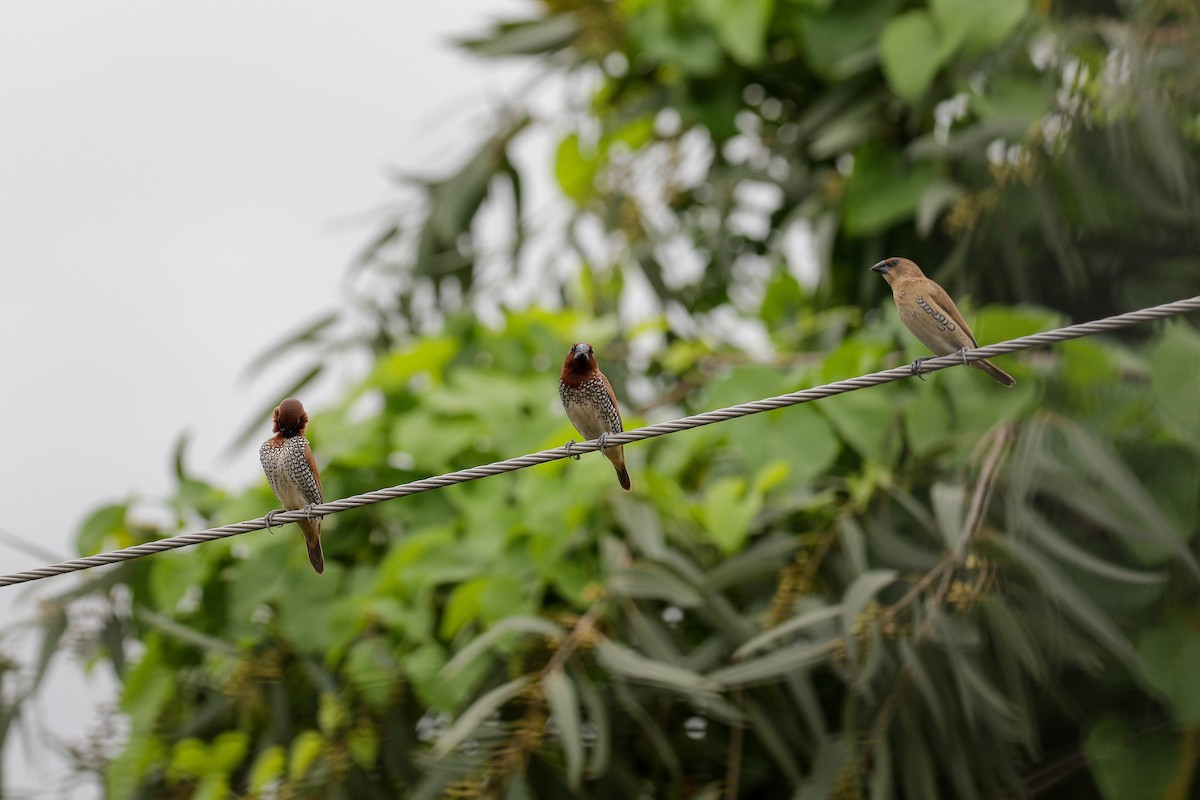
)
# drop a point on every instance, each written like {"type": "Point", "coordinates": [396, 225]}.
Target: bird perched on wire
{"type": "Point", "coordinates": [292, 472]}
{"type": "Point", "coordinates": [929, 313]}
{"type": "Point", "coordinates": [591, 405]}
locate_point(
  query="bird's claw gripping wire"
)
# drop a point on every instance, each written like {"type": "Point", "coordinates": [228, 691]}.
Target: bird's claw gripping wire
{"type": "Point", "coordinates": [963, 353]}
{"type": "Point", "coordinates": [916, 367]}
{"type": "Point", "coordinates": [308, 510]}
{"type": "Point", "coordinates": [571, 443]}
{"type": "Point", "coordinates": [603, 440]}
{"type": "Point", "coordinates": [270, 518]}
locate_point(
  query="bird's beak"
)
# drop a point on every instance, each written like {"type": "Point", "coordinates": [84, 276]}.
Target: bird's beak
{"type": "Point", "coordinates": [881, 268]}
{"type": "Point", "coordinates": [580, 351]}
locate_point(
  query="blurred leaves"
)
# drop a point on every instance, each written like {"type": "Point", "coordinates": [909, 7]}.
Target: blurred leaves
{"type": "Point", "coordinates": [806, 573]}
{"type": "Point", "coordinates": [839, 594]}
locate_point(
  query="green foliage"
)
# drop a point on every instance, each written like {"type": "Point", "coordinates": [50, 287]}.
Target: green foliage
{"type": "Point", "coordinates": [839, 591]}
{"type": "Point", "coordinates": [1039, 152]}
{"type": "Point", "coordinates": [923, 589]}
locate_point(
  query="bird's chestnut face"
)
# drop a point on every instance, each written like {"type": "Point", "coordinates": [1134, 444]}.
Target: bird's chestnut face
{"type": "Point", "coordinates": [580, 359]}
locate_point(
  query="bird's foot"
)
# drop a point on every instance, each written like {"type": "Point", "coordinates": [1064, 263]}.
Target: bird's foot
{"type": "Point", "coordinates": [963, 353]}
{"type": "Point", "coordinates": [571, 443]}
{"type": "Point", "coordinates": [308, 510]}
{"type": "Point", "coordinates": [604, 440]}
{"type": "Point", "coordinates": [916, 367]}
{"type": "Point", "coordinates": [270, 518]}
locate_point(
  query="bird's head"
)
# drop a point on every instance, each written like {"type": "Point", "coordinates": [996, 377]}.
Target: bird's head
{"type": "Point", "coordinates": [893, 269]}
{"type": "Point", "coordinates": [580, 360]}
{"type": "Point", "coordinates": [290, 418]}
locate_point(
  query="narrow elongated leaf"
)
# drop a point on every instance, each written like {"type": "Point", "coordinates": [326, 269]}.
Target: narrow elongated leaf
{"type": "Point", "coordinates": [1008, 632]}
{"type": "Point", "coordinates": [1043, 534]}
{"type": "Point", "coordinates": [636, 667]}
{"type": "Point", "coordinates": [875, 661]}
{"type": "Point", "coordinates": [53, 628]}
{"type": "Point", "coordinates": [949, 509]}
{"type": "Point", "coordinates": [597, 714]}
{"type": "Point", "coordinates": [925, 686]}
{"type": "Point", "coordinates": [764, 725]}
{"type": "Point", "coordinates": [308, 334]}
{"type": "Point", "coordinates": [479, 711]}
{"type": "Point", "coordinates": [784, 630]}
{"type": "Point", "coordinates": [766, 556]}
{"type": "Point", "coordinates": [1119, 481]}
{"type": "Point", "coordinates": [650, 581]}
{"type": "Point", "coordinates": [827, 766]}
{"type": "Point", "coordinates": [527, 37]}
{"type": "Point", "coordinates": [864, 588]}
{"type": "Point", "coordinates": [658, 740]}
{"type": "Point", "coordinates": [911, 752]}
{"type": "Point", "coordinates": [773, 664]}
{"type": "Point", "coordinates": [483, 642]}
{"type": "Point", "coordinates": [1073, 602]}
{"type": "Point", "coordinates": [564, 705]}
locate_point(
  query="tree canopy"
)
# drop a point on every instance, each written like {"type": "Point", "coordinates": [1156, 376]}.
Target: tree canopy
{"type": "Point", "coordinates": [924, 589]}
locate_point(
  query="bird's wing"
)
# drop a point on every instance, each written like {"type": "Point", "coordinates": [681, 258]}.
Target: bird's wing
{"type": "Point", "coordinates": [937, 296]}
{"type": "Point", "coordinates": [264, 458]}
{"type": "Point", "coordinates": [312, 465]}
{"type": "Point", "coordinates": [612, 396]}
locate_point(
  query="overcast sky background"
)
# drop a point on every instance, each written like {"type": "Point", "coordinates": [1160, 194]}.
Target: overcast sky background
{"type": "Point", "coordinates": [180, 186]}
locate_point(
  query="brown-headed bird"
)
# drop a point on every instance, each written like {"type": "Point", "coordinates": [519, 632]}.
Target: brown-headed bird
{"type": "Point", "coordinates": [292, 471]}
{"type": "Point", "coordinates": [591, 405]}
{"type": "Point", "coordinates": [927, 311]}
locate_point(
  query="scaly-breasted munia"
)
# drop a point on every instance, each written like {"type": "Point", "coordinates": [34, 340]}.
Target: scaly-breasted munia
{"type": "Point", "coordinates": [591, 405]}
{"type": "Point", "coordinates": [927, 311]}
{"type": "Point", "coordinates": [292, 471]}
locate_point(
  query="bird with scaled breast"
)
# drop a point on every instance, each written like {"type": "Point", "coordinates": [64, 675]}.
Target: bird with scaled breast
{"type": "Point", "coordinates": [588, 399]}
{"type": "Point", "coordinates": [929, 313]}
{"type": "Point", "coordinates": [292, 472]}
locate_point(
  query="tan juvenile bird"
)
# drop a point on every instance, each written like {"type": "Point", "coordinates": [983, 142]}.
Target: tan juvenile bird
{"type": "Point", "coordinates": [927, 311]}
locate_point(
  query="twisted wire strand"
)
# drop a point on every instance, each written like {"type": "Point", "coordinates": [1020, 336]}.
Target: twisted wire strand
{"type": "Point", "coordinates": [649, 432]}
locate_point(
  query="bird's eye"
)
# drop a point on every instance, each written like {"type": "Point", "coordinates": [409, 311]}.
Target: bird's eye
{"type": "Point", "coordinates": [893, 262]}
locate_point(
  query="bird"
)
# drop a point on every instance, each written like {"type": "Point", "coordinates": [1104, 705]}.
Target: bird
{"type": "Point", "coordinates": [588, 399]}
{"type": "Point", "coordinates": [292, 472]}
{"type": "Point", "coordinates": [929, 313]}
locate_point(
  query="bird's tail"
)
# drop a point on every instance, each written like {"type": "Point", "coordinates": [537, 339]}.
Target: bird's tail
{"type": "Point", "coordinates": [1000, 376]}
{"type": "Point", "coordinates": [617, 456]}
{"type": "Point", "coordinates": [312, 539]}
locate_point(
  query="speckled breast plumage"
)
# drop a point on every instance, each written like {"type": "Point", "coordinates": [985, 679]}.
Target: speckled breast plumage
{"type": "Point", "coordinates": [288, 472]}
{"type": "Point", "coordinates": [590, 408]}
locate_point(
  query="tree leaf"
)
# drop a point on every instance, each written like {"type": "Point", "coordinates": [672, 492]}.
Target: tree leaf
{"type": "Point", "coordinates": [862, 591]}
{"type": "Point", "coordinates": [564, 705]}
{"type": "Point", "coordinates": [773, 665]}
{"type": "Point", "coordinates": [1170, 653]}
{"type": "Point", "coordinates": [651, 581]}
{"type": "Point", "coordinates": [490, 638]}
{"type": "Point", "coordinates": [884, 189]}
{"type": "Point", "coordinates": [1073, 602]}
{"type": "Point", "coordinates": [742, 29]}
{"type": "Point", "coordinates": [636, 667]}
{"type": "Point", "coordinates": [786, 629]}
{"type": "Point", "coordinates": [478, 712]}
{"type": "Point", "coordinates": [1131, 766]}
{"type": "Point", "coordinates": [911, 52]}
{"type": "Point", "coordinates": [1044, 535]}
{"type": "Point", "coordinates": [527, 37]}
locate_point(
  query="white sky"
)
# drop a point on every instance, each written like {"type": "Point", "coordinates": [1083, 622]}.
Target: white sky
{"type": "Point", "coordinates": [175, 181]}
